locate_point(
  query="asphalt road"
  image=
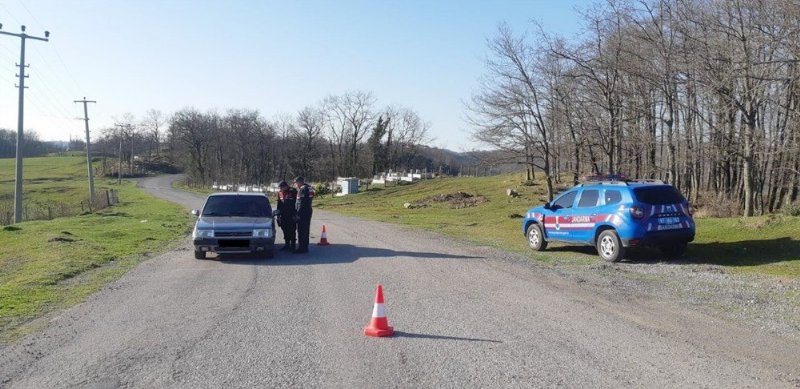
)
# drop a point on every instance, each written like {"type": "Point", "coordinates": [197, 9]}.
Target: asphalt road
{"type": "Point", "coordinates": [466, 316]}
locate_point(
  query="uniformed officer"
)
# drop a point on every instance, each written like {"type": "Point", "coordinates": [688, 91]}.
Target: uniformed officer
{"type": "Point", "coordinates": [305, 194]}
{"type": "Point", "coordinates": [286, 205]}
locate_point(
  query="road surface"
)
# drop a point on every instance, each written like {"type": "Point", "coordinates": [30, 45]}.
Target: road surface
{"type": "Point", "coordinates": [466, 316]}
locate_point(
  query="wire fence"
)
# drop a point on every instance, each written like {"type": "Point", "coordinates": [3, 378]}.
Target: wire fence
{"type": "Point", "coordinates": [37, 211]}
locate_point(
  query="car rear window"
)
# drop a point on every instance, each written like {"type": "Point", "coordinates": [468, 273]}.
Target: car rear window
{"type": "Point", "coordinates": [247, 206]}
{"type": "Point", "coordinates": [658, 195]}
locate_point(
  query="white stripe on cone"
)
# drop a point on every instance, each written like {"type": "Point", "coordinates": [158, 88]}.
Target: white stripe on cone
{"type": "Point", "coordinates": [378, 310]}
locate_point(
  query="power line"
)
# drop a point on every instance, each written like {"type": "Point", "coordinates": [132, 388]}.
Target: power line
{"type": "Point", "coordinates": [51, 103]}
{"type": "Point", "coordinates": [54, 46]}
{"type": "Point", "coordinates": [22, 3]}
{"type": "Point", "coordinates": [10, 13]}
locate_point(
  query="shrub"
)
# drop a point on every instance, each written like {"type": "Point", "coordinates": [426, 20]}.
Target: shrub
{"type": "Point", "coordinates": [792, 210]}
{"type": "Point", "coordinates": [710, 205]}
{"type": "Point", "coordinates": [322, 189]}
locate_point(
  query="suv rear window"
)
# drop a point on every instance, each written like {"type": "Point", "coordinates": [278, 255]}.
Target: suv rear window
{"type": "Point", "coordinates": [249, 206]}
{"type": "Point", "coordinates": [613, 197]}
{"type": "Point", "coordinates": [589, 198]}
{"type": "Point", "coordinates": [658, 195]}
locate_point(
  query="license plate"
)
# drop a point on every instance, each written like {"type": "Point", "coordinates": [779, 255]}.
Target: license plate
{"type": "Point", "coordinates": [669, 220]}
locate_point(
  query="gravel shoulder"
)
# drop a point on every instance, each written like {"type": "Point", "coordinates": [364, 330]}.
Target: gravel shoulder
{"type": "Point", "coordinates": [466, 316]}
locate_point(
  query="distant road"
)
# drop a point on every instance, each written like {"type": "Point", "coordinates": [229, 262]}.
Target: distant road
{"type": "Point", "coordinates": [466, 316]}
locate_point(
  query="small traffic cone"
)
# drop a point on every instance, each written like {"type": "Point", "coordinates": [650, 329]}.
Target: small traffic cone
{"type": "Point", "coordinates": [379, 325]}
{"type": "Point", "coordinates": [323, 239]}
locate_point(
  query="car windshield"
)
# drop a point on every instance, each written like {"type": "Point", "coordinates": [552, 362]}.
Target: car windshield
{"type": "Point", "coordinates": [658, 195]}
{"type": "Point", "coordinates": [247, 206]}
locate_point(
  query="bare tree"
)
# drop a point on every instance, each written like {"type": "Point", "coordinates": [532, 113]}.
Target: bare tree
{"type": "Point", "coordinates": [510, 113]}
{"type": "Point", "coordinates": [349, 118]}
{"type": "Point", "coordinates": [153, 122]}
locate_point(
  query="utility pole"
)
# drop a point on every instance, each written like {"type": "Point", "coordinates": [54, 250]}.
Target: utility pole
{"type": "Point", "coordinates": [88, 150]}
{"type": "Point", "coordinates": [20, 141]}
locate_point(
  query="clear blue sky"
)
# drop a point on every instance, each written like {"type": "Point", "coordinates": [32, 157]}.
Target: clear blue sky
{"type": "Point", "coordinates": [274, 56]}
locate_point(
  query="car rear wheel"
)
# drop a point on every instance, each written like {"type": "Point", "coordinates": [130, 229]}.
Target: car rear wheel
{"type": "Point", "coordinates": [536, 238]}
{"type": "Point", "coordinates": [609, 246]}
{"type": "Point", "coordinates": [674, 250]}
{"type": "Point", "coordinates": [199, 254]}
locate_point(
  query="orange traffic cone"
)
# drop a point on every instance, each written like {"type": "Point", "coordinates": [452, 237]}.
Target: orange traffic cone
{"type": "Point", "coordinates": [379, 325]}
{"type": "Point", "coordinates": [323, 240]}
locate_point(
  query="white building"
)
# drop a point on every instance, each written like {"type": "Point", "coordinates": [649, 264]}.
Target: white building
{"type": "Point", "coordinates": [349, 185]}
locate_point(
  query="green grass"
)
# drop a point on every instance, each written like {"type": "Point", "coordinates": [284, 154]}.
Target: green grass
{"type": "Point", "coordinates": [52, 264]}
{"type": "Point", "coordinates": [765, 245]}
{"type": "Point", "coordinates": [46, 180]}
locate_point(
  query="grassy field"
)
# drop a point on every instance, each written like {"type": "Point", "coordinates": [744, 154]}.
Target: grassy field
{"type": "Point", "coordinates": [47, 265]}
{"type": "Point", "coordinates": [765, 245]}
{"type": "Point", "coordinates": [47, 179]}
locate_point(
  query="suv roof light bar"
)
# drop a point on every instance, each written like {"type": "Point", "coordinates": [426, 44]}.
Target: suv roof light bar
{"type": "Point", "coordinates": [615, 179]}
{"type": "Point", "coordinates": [604, 178]}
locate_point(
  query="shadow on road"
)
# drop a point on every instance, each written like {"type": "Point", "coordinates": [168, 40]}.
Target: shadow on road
{"type": "Point", "coordinates": [401, 334]}
{"type": "Point", "coordinates": [338, 253]}
{"type": "Point", "coordinates": [742, 253]}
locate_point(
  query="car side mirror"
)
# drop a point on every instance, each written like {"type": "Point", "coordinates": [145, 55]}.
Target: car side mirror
{"type": "Point", "coordinates": [195, 212]}
{"type": "Point", "coordinates": [276, 212]}
{"type": "Point", "coordinates": [548, 206]}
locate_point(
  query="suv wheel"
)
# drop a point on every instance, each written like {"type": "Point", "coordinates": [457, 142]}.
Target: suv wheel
{"type": "Point", "coordinates": [536, 238]}
{"type": "Point", "coordinates": [609, 246]}
{"type": "Point", "coordinates": [199, 254]}
{"type": "Point", "coordinates": [674, 250]}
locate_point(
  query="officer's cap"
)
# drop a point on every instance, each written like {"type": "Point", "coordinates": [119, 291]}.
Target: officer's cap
{"type": "Point", "coordinates": [283, 183]}
{"type": "Point", "coordinates": [299, 179]}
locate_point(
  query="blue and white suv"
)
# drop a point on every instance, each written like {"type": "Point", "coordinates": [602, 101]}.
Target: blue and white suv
{"type": "Point", "coordinates": [613, 215]}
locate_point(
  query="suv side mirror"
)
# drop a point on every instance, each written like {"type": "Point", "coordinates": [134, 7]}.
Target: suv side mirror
{"type": "Point", "coordinates": [195, 212]}
{"type": "Point", "coordinates": [276, 212]}
{"type": "Point", "coordinates": [548, 206]}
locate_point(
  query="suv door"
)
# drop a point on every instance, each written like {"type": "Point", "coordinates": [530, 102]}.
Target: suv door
{"type": "Point", "coordinates": [558, 215]}
{"type": "Point", "coordinates": [581, 224]}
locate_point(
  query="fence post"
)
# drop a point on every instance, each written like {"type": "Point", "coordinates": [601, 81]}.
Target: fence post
{"type": "Point", "coordinates": [108, 199]}
{"type": "Point", "coordinates": [82, 210]}
{"type": "Point", "coordinates": [49, 213]}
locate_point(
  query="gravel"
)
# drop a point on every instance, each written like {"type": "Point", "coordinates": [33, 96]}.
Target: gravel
{"type": "Point", "coordinates": [466, 316]}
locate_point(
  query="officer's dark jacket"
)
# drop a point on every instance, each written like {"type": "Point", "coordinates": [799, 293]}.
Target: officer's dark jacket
{"type": "Point", "coordinates": [286, 203]}
{"type": "Point", "coordinates": [303, 204]}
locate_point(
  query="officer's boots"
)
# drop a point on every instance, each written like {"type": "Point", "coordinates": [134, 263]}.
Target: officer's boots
{"type": "Point", "coordinates": [288, 246]}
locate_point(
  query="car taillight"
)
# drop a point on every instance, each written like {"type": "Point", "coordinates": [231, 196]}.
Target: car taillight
{"type": "Point", "coordinates": [637, 212]}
